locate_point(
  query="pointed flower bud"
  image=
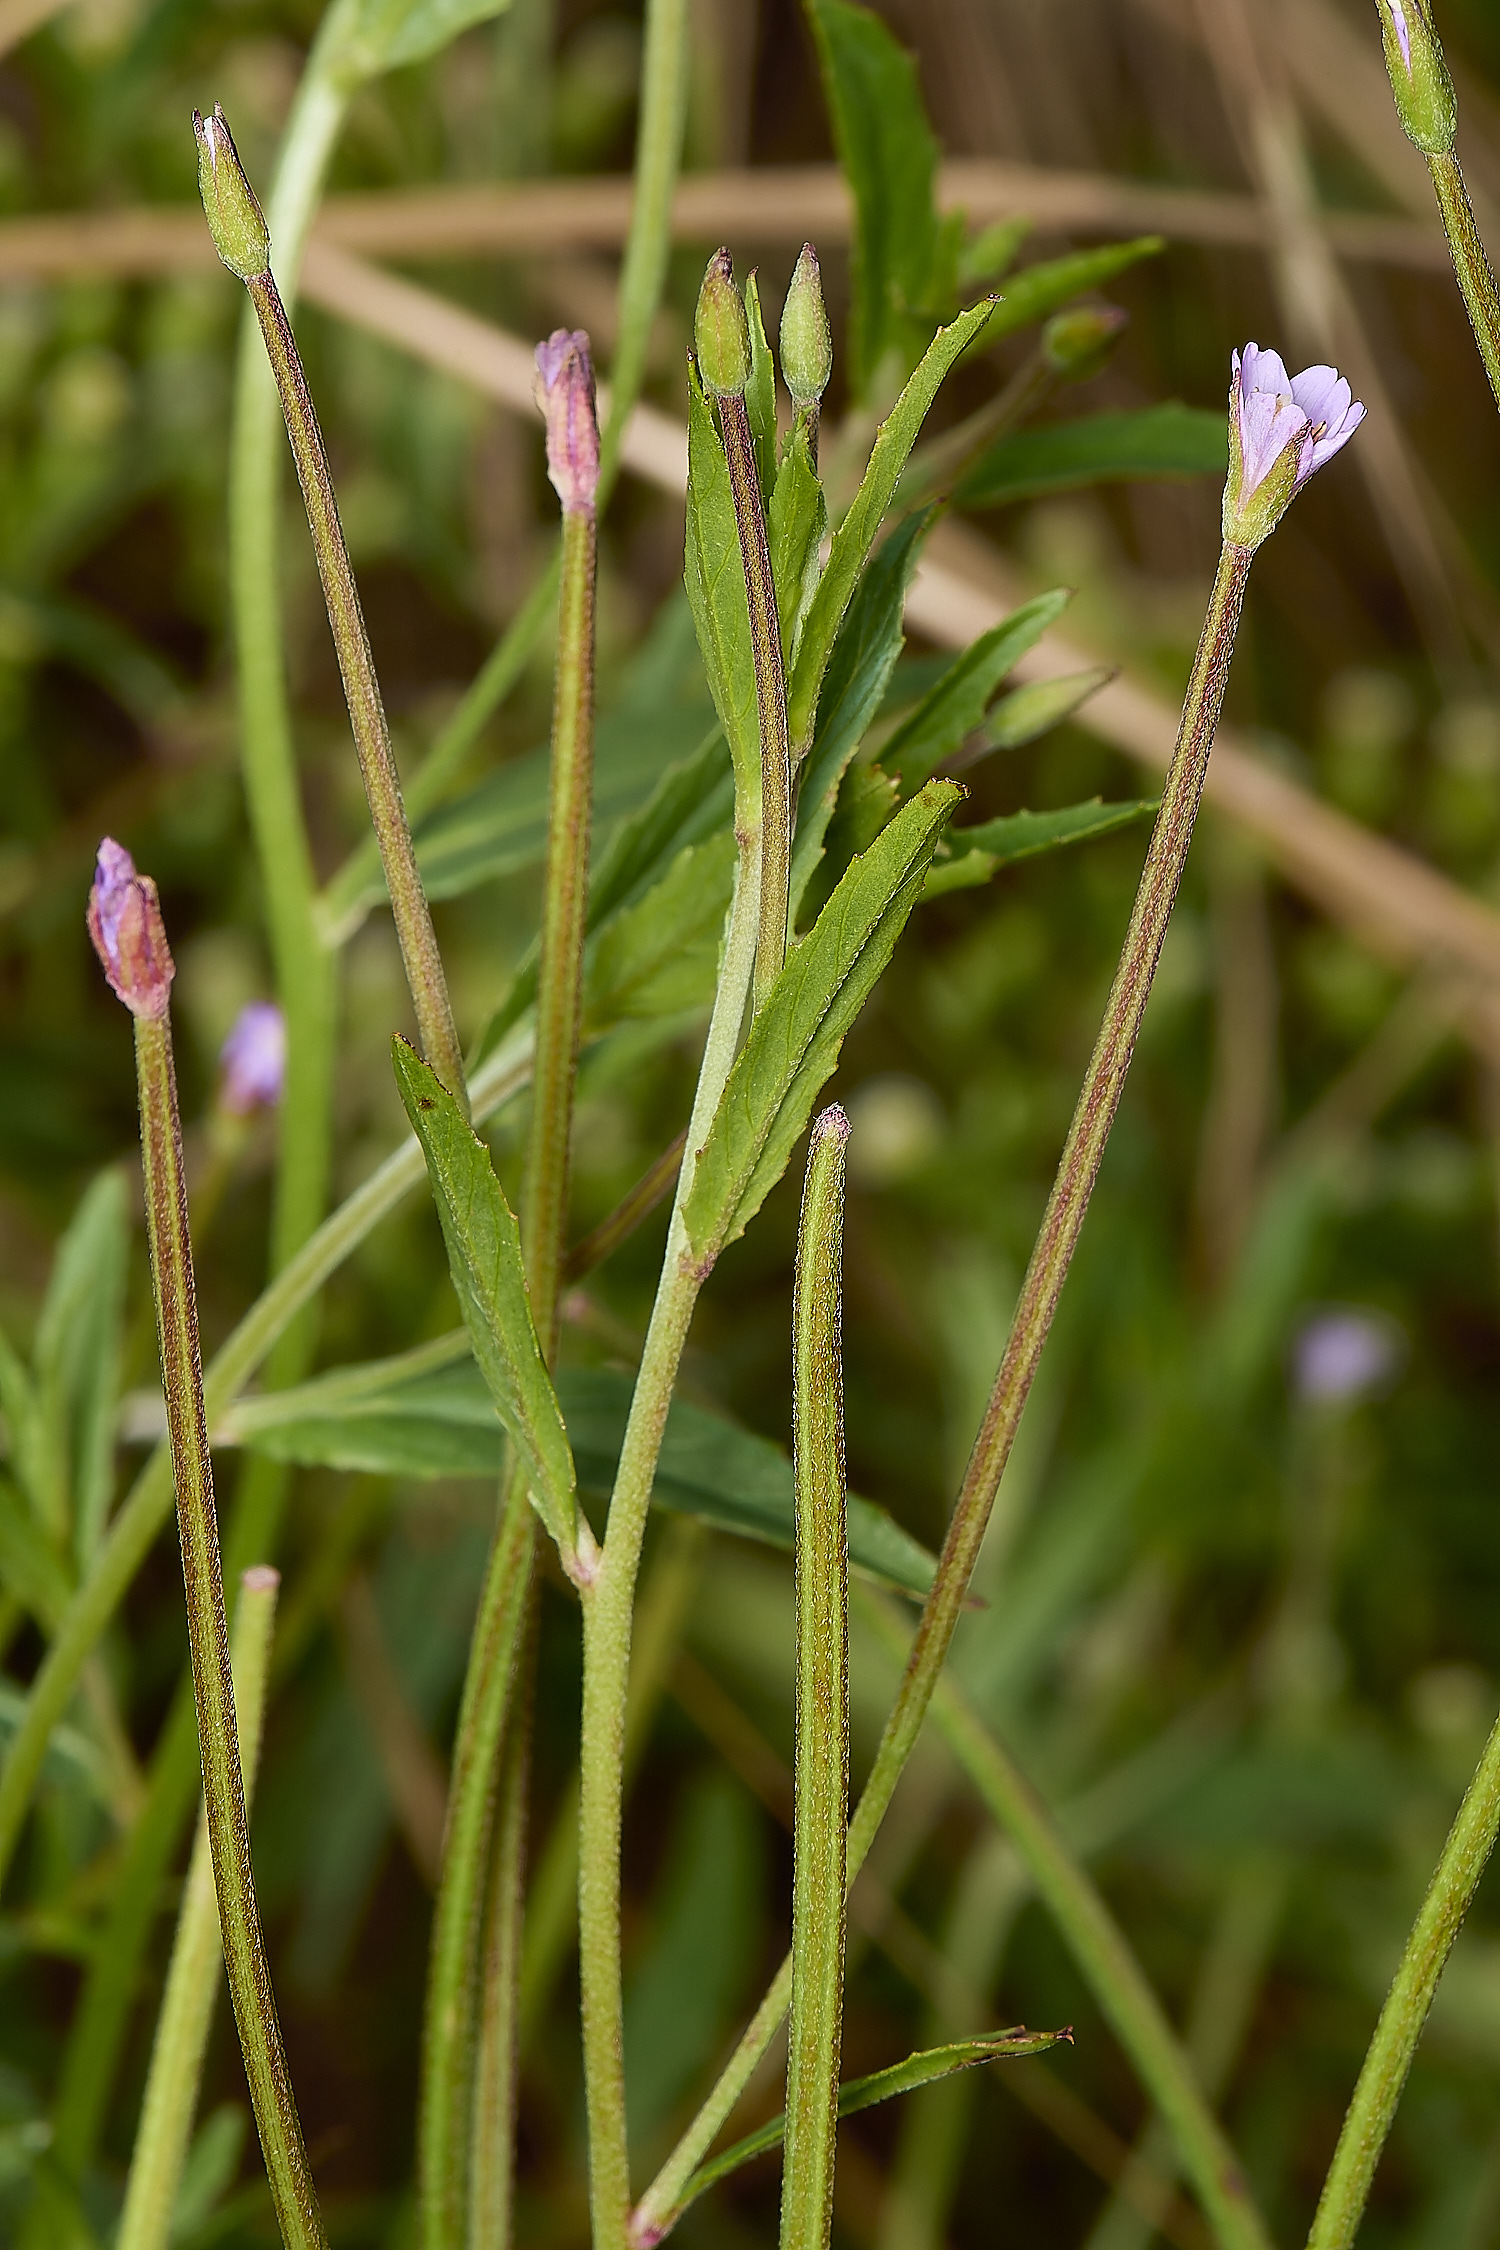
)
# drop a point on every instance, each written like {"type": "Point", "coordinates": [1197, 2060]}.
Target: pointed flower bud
{"type": "Point", "coordinates": [254, 1059]}
{"type": "Point", "coordinates": [234, 217]}
{"type": "Point", "coordinates": [126, 927]}
{"type": "Point", "coordinates": [1281, 428]}
{"type": "Point", "coordinates": [806, 339]}
{"type": "Point", "coordinates": [564, 390]}
{"type": "Point", "coordinates": [721, 331]}
{"type": "Point", "coordinates": [1425, 100]}
{"type": "Point", "coordinates": [1076, 344]}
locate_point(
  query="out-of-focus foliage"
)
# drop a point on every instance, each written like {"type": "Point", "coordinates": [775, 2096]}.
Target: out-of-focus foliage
{"type": "Point", "coordinates": [1243, 1629]}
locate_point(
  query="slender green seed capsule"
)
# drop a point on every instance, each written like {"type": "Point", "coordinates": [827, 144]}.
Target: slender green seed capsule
{"type": "Point", "coordinates": [235, 219]}
{"type": "Point", "coordinates": [1076, 344]}
{"type": "Point", "coordinates": [1425, 100]}
{"type": "Point", "coordinates": [721, 331]}
{"type": "Point", "coordinates": [806, 339]}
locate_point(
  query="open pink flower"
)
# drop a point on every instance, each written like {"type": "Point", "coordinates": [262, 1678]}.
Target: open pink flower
{"type": "Point", "coordinates": [1282, 428]}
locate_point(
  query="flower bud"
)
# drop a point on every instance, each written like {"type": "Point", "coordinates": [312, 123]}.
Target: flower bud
{"type": "Point", "coordinates": [1076, 344]}
{"type": "Point", "coordinates": [806, 340]}
{"type": "Point", "coordinates": [126, 926]}
{"type": "Point", "coordinates": [564, 391]}
{"type": "Point", "coordinates": [721, 332]}
{"type": "Point", "coordinates": [234, 217]}
{"type": "Point", "coordinates": [254, 1059]}
{"type": "Point", "coordinates": [1425, 101]}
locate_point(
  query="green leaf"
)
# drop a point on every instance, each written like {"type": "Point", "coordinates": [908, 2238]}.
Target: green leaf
{"type": "Point", "coordinates": [387, 34]}
{"type": "Point", "coordinates": [715, 576]}
{"type": "Point", "coordinates": [951, 711]}
{"type": "Point", "coordinates": [889, 156]}
{"type": "Point", "coordinates": [856, 534]}
{"type": "Point", "coordinates": [1030, 711]}
{"type": "Point", "coordinates": [484, 1256]}
{"type": "Point", "coordinates": [1030, 295]}
{"type": "Point", "coordinates": [881, 2086]}
{"type": "Point", "coordinates": [854, 688]}
{"type": "Point", "coordinates": [33, 1458]}
{"type": "Point", "coordinates": [760, 393]}
{"type": "Point", "coordinates": [979, 851]}
{"type": "Point", "coordinates": [794, 1044]}
{"type": "Point", "coordinates": [1169, 440]}
{"type": "Point", "coordinates": [661, 956]}
{"type": "Point", "coordinates": [991, 252]}
{"type": "Point", "coordinates": [796, 521]}
{"type": "Point", "coordinates": [429, 1413]}
{"type": "Point", "coordinates": [78, 1343]}
{"type": "Point", "coordinates": [31, 1568]}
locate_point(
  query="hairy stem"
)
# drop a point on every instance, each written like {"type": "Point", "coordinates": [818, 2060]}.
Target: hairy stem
{"type": "Point", "coordinates": [1061, 1224]}
{"type": "Point", "coordinates": [1373, 2108]}
{"type": "Point", "coordinates": [377, 760]}
{"type": "Point", "coordinates": [770, 697]}
{"type": "Point", "coordinates": [1470, 264]}
{"type": "Point", "coordinates": [821, 1803]}
{"type": "Point", "coordinates": [271, 2095]}
{"type": "Point", "coordinates": [492, 2161]}
{"type": "Point", "coordinates": [192, 1987]}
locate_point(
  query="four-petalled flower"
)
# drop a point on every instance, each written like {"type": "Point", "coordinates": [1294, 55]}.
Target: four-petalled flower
{"type": "Point", "coordinates": [1281, 428]}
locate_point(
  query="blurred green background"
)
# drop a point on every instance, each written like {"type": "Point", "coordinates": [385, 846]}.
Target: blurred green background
{"type": "Point", "coordinates": [1242, 1613]}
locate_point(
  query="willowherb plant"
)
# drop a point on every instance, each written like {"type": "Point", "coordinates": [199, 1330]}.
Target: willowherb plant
{"type": "Point", "coordinates": [806, 832]}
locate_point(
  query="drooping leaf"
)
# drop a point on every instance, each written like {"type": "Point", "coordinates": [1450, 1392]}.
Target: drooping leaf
{"type": "Point", "coordinates": [388, 34]}
{"type": "Point", "coordinates": [660, 956]}
{"type": "Point", "coordinates": [881, 2086]}
{"type": "Point", "coordinates": [856, 534]}
{"type": "Point", "coordinates": [854, 687]}
{"type": "Point", "coordinates": [979, 851]}
{"type": "Point", "coordinates": [78, 1342]}
{"type": "Point", "coordinates": [951, 710]}
{"type": "Point", "coordinates": [715, 577]}
{"type": "Point", "coordinates": [1030, 711]}
{"type": "Point", "coordinates": [889, 157]}
{"type": "Point", "coordinates": [429, 1413]}
{"type": "Point", "coordinates": [794, 1044]}
{"type": "Point", "coordinates": [1038, 290]}
{"type": "Point", "coordinates": [760, 394]}
{"type": "Point", "coordinates": [484, 1256]}
{"type": "Point", "coordinates": [1169, 440]}
{"type": "Point", "coordinates": [796, 521]}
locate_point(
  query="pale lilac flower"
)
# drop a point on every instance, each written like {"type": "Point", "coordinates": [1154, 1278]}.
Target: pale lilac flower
{"type": "Point", "coordinates": [254, 1059]}
{"type": "Point", "coordinates": [1340, 1355]}
{"type": "Point", "coordinates": [565, 394]}
{"type": "Point", "coordinates": [125, 924]}
{"type": "Point", "coordinates": [1281, 429]}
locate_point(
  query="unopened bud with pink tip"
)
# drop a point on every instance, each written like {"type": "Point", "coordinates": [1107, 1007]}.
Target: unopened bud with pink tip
{"type": "Point", "coordinates": [235, 218]}
{"type": "Point", "coordinates": [1282, 428]}
{"type": "Point", "coordinates": [126, 926]}
{"type": "Point", "coordinates": [254, 1059]}
{"type": "Point", "coordinates": [1425, 100]}
{"type": "Point", "coordinates": [564, 390]}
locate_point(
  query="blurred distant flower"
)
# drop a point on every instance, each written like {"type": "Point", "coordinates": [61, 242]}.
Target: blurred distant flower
{"type": "Point", "coordinates": [1342, 1355]}
{"type": "Point", "coordinates": [254, 1059]}
{"type": "Point", "coordinates": [1281, 429]}
{"type": "Point", "coordinates": [126, 926]}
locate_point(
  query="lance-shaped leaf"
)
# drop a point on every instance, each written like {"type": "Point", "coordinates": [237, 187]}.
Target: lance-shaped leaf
{"type": "Point", "coordinates": [794, 1043]}
{"type": "Point", "coordinates": [1031, 710]}
{"type": "Point", "coordinates": [796, 520]}
{"type": "Point", "coordinates": [429, 1413]}
{"type": "Point", "coordinates": [714, 574]}
{"type": "Point", "coordinates": [856, 534]}
{"type": "Point", "coordinates": [881, 2086]}
{"type": "Point", "coordinates": [380, 35]}
{"type": "Point", "coordinates": [953, 709]}
{"type": "Point", "coordinates": [484, 1256]}
{"type": "Point", "coordinates": [1030, 295]}
{"type": "Point", "coordinates": [1169, 440]}
{"type": "Point", "coordinates": [979, 851]}
{"type": "Point", "coordinates": [659, 956]}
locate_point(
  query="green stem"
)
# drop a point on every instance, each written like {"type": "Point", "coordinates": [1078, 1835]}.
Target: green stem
{"type": "Point", "coordinates": [1470, 264]}
{"type": "Point", "coordinates": [140, 1517]}
{"type": "Point", "coordinates": [492, 2136]}
{"type": "Point", "coordinates": [271, 2094]}
{"type": "Point", "coordinates": [1061, 1224]}
{"type": "Point", "coordinates": [607, 1614]}
{"type": "Point", "coordinates": [658, 156]}
{"type": "Point", "coordinates": [1373, 2108]}
{"type": "Point", "coordinates": [372, 739]}
{"type": "Point", "coordinates": [821, 1816]}
{"type": "Point", "coordinates": [770, 696]}
{"type": "Point", "coordinates": [192, 1986]}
